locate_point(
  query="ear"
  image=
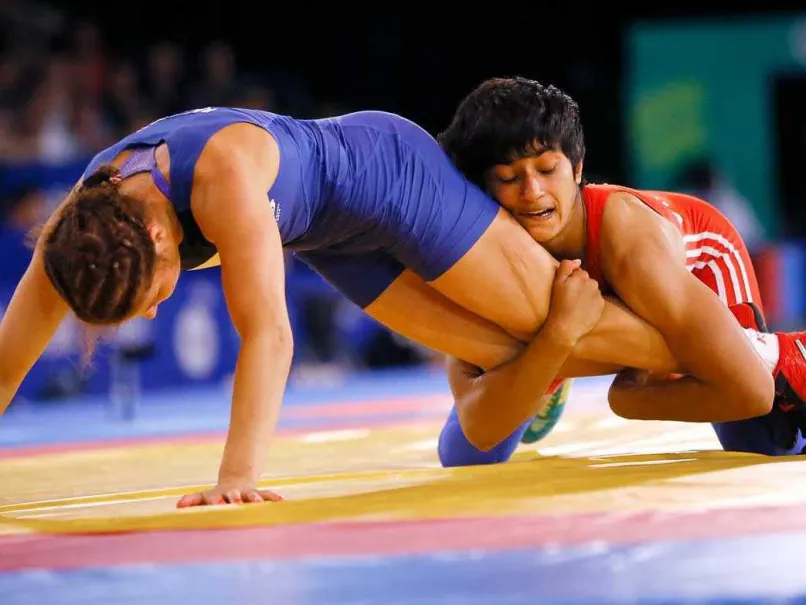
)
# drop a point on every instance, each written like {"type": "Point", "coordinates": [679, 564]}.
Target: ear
{"type": "Point", "coordinates": [578, 172]}
{"type": "Point", "coordinates": [158, 233]}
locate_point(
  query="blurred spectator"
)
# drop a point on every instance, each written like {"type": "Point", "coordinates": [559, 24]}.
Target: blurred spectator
{"type": "Point", "coordinates": [64, 95]}
{"type": "Point", "coordinates": [703, 179]}
{"type": "Point", "coordinates": [164, 79]}
{"type": "Point", "coordinates": [125, 107]}
{"type": "Point", "coordinates": [219, 81]}
{"type": "Point", "coordinates": [90, 59]}
{"type": "Point", "coordinates": [255, 95]}
{"type": "Point", "coordinates": [22, 208]}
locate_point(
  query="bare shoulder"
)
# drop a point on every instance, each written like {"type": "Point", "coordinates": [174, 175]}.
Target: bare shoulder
{"type": "Point", "coordinates": [627, 220]}
{"type": "Point", "coordinates": [628, 224]}
{"type": "Point", "coordinates": [236, 169]}
{"type": "Point", "coordinates": [240, 148]}
{"type": "Point", "coordinates": [624, 207]}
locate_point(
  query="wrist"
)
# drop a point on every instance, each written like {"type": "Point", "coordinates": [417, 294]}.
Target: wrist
{"type": "Point", "coordinates": [558, 334]}
{"type": "Point", "coordinates": [235, 466]}
{"type": "Point", "coordinates": [227, 475]}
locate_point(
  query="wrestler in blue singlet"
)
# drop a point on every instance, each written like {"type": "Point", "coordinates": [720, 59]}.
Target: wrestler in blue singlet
{"type": "Point", "coordinates": [359, 197]}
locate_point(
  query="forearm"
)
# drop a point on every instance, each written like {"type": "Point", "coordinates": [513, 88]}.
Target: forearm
{"type": "Point", "coordinates": [502, 399]}
{"type": "Point", "coordinates": [621, 339]}
{"type": "Point", "coordinates": [726, 378]}
{"type": "Point", "coordinates": [261, 374]}
{"type": "Point", "coordinates": [30, 321]}
{"type": "Point", "coordinates": [7, 392]}
{"type": "Point", "coordinates": [686, 399]}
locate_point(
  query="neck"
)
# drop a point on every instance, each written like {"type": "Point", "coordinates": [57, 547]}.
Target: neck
{"type": "Point", "coordinates": [570, 243]}
{"type": "Point", "coordinates": [163, 212]}
{"type": "Point", "coordinates": [158, 209]}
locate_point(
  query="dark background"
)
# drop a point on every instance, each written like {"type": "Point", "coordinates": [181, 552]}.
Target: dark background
{"type": "Point", "coordinates": [419, 59]}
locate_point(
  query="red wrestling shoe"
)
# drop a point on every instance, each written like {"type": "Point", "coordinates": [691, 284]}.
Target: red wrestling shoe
{"type": "Point", "coordinates": [790, 372]}
{"type": "Point", "coordinates": [788, 416]}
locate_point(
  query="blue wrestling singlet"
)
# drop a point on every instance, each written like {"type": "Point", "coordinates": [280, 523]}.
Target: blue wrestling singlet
{"type": "Point", "coordinates": [358, 197]}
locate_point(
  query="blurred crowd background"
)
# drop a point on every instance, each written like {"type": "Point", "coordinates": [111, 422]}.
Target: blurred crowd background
{"type": "Point", "coordinates": [687, 98]}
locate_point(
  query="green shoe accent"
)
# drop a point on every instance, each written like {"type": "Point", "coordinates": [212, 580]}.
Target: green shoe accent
{"type": "Point", "coordinates": [547, 418]}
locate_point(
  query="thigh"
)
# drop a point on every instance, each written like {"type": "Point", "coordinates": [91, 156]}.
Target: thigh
{"type": "Point", "coordinates": [415, 310]}
{"type": "Point", "coordinates": [405, 304]}
{"type": "Point", "coordinates": [505, 277]}
{"type": "Point", "coordinates": [409, 306]}
{"type": "Point", "coordinates": [361, 278]}
{"type": "Point", "coordinates": [460, 241]}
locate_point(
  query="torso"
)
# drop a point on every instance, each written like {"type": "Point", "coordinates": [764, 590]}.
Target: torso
{"type": "Point", "coordinates": [342, 184]}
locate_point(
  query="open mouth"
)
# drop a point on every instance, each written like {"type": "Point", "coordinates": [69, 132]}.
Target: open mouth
{"type": "Point", "coordinates": [538, 215]}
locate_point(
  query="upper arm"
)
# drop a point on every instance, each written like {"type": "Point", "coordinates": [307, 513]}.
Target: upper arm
{"type": "Point", "coordinates": [647, 269]}
{"type": "Point", "coordinates": [230, 205]}
{"type": "Point", "coordinates": [33, 315]}
{"type": "Point", "coordinates": [644, 260]}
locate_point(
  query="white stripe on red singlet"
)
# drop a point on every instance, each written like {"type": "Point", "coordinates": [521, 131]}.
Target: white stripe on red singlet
{"type": "Point", "coordinates": [700, 246]}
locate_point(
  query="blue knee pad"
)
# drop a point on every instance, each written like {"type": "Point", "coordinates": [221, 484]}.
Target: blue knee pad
{"type": "Point", "coordinates": [763, 435]}
{"type": "Point", "coordinates": [455, 450]}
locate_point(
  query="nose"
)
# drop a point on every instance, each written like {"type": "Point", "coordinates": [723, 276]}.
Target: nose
{"type": "Point", "coordinates": [532, 189]}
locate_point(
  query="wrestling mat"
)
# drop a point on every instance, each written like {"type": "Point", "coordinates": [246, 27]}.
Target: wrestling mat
{"type": "Point", "coordinates": [603, 510]}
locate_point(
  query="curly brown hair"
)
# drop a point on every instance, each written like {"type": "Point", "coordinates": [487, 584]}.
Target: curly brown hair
{"type": "Point", "coordinates": [99, 254]}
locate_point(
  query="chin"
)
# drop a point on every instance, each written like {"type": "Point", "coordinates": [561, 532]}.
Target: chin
{"type": "Point", "coordinates": [542, 234]}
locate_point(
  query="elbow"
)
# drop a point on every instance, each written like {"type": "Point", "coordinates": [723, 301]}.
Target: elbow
{"type": "Point", "coordinates": [283, 342]}
{"type": "Point", "coordinates": [482, 442]}
{"type": "Point", "coordinates": [621, 408]}
{"type": "Point", "coordinates": [619, 401]}
{"type": "Point", "coordinates": [750, 395]}
{"type": "Point", "coordinates": [478, 433]}
{"type": "Point", "coordinates": [756, 397]}
{"type": "Point", "coordinates": [627, 402]}
{"type": "Point", "coordinates": [278, 338]}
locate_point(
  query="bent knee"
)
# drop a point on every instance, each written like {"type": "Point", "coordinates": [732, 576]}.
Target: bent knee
{"type": "Point", "coordinates": [455, 449]}
{"type": "Point", "coordinates": [525, 275]}
{"type": "Point", "coordinates": [460, 452]}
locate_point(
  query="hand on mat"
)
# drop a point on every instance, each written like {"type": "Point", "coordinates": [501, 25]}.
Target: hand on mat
{"type": "Point", "coordinates": [230, 492]}
{"type": "Point", "coordinates": [576, 302]}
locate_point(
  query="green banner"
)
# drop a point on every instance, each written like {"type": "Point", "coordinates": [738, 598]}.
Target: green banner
{"type": "Point", "coordinates": [704, 89]}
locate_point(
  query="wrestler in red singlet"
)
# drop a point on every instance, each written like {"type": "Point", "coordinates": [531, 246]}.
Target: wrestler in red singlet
{"type": "Point", "coordinates": [523, 142]}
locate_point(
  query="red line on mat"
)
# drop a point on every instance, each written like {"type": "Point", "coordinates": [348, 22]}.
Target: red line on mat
{"type": "Point", "coordinates": [285, 542]}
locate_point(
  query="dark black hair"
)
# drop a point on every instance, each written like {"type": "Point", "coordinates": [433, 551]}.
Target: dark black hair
{"type": "Point", "coordinates": [504, 119]}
